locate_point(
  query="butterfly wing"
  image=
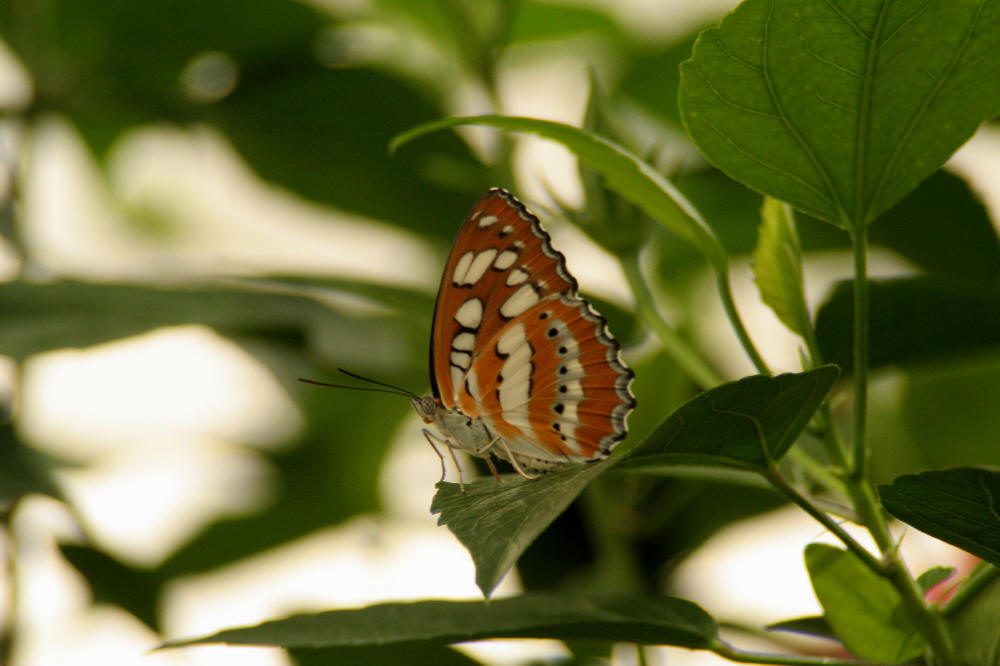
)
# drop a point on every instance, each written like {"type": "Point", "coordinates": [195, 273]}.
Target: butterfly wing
{"type": "Point", "coordinates": [514, 344]}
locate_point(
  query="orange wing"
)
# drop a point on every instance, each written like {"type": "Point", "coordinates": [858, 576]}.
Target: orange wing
{"type": "Point", "coordinates": [515, 345]}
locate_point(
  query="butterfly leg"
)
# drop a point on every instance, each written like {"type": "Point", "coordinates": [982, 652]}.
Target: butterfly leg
{"type": "Point", "coordinates": [431, 437]}
{"type": "Point", "coordinates": [514, 463]}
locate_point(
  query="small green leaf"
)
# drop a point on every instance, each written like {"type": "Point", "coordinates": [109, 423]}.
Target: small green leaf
{"type": "Point", "coordinates": [112, 582]}
{"type": "Point", "coordinates": [777, 267]}
{"type": "Point", "coordinates": [807, 626]}
{"type": "Point", "coordinates": [841, 109]}
{"type": "Point", "coordinates": [748, 424]}
{"type": "Point", "coordinates": [497, 521]}
{"type": "Point", "coordinates": [960, 506]}
{"type": "Point", "coordinates": [933, 576]}
{"type": "Point", "coordinates": [863, 609]}
{"type": "Point", "coordinates": [645, 620]}
{"type": "Point", "coordinates": [624, 172]}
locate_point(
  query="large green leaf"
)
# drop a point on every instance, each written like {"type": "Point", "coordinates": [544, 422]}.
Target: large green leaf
{"type": "Point", "coordinates": [912, 320]}
{"type": "Point", "coordinates": [841, 109]}
{"type": "Point", "coordinates": [863, 609]}
{"type": "Point", "coordinates": [777, 267]}
{"type": "Point", "coordinates": [624, 172]}
{"type": "Point", "coordinates": [496, 521]}
{"type": "Point", "coordinates": [746, 424]}
{"type": "Point", "coordinates": [646, 620]}
{"type": "Point", "coordinates": [957, 505]}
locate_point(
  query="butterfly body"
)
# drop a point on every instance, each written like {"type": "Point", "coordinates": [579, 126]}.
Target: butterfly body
{"type": "Point", "coordinates": [522, 367]}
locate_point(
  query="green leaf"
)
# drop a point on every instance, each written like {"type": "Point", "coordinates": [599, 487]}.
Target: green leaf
{"type": "Point", "coordinates": [645, 620]}
{"type": "Point", "coordinates": [960, 506]}
{"type": "Point", "coordinates": [863, 609]}
{"type": "Point", "coordinates": [841, 109]}
{"type": "Point", "coordinates": [912, 320]}
{"type": "Point", "coordinates": [624, 172]}
{"type": "Point", "coordinates": [777, 267]}
{"type": "Point", "coordinates": [747, 424]}
{"type": "Point", "coordinates": [411, 654]}
{"type": "Point", "coordinates": [498, 521]}
{"type": "Point", "coordinates": [23, 471]}
{"type": "Point", "coordinates": [934, 576]}
{"type": "Point", "coordinates": [974, 627]}
{"type": "Point", "coordinates": [115, 583]}
{"type": "Point", "coordinates": [807, 626]}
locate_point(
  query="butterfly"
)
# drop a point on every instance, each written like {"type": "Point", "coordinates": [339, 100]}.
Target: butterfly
{"type": "Point", "coordinates": [522, 368]}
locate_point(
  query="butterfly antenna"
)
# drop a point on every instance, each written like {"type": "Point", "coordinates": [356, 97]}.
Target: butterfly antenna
{"type": "Point", "coordinates": [389, 388]}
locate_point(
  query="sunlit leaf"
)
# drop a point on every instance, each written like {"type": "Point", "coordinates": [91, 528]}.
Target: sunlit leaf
{"type": "Point", "coordinates": [777, 267]}
{"type": "Point", "coordinates": [841, 110]}
{"type": "Point", "coordinates": [863, 609]}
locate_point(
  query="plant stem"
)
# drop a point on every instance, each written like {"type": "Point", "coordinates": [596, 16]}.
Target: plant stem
{"type": "Point", "coordinates": [826, 521]}
{"type": "Point", "coordinates": [726, 294]}
{"type": "Point", "coordinates": [981, 576]}
{"type": "Point", "coordinates": [859, 485]}
{"type": "Point", "coordinates": [693, 365]}
{"type": "Point", "coordinates": [859, 460]}
{"type": "Point", "coordinates": [727, 651]}
{"type": "Point", "coordinates": [7, 629]}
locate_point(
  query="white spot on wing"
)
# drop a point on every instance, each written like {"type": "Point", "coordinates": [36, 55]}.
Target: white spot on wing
{"type": "Point", "coordinates": [488, 220]}
{"type": "Point", "coordinates": [519, 301]}
{"type": "Point", "coordinates": [515, 373]}
{"type": "Point", "coordinates": [461, 359]}
{"type": "Point", "coordinates": [517, 276]}
{"type": "Point", "coordinates": [462, 268]}
{"type": "Point", "coordinates": [505, 260]}
{"type": "Point", "coordinates": [479, 266]}
{"type": "Point", "coordinates": [464, 341]}
{"type": "Point", "coordinates": [470, 313]}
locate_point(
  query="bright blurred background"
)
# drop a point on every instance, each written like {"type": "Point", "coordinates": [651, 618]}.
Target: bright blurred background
{"type": "Point", "coordinates": [199, 207]}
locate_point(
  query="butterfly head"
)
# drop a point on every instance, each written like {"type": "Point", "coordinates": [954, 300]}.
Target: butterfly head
{"type": "Point", "coordinates": [425, 406]}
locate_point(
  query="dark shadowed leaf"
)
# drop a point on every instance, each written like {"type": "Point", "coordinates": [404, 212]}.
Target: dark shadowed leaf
{"type": "Point", "coordinates": [808, 626]}
{"type": "Point", "coordinates": [941, 227]}
{"type": "Point", "coordinates": [412, 654]}
{"type": "Point", "coordinates": [115, 583]}
{"type": "Point", "coordinates": [912, 320]}
{"type": "Point", "coordinates": [841, 110]}
{"type": "Point", "coordinates": [955, 505]}
{"type": "Point", "coordinates": [863, 609]}
{"type": "Point", "coordinates": [23, 471]}
{"type": "Point", "coordinates": [646, 620]}
{"type": "Point", "coordinates": [497, 521]}
{"type": "Point", "coordinates": [746, 424]}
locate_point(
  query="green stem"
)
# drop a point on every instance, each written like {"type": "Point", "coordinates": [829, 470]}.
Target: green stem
{"type": "Point", "coordinates": [981, 576]}
{"type": "Point", "coordinates": [859, 462]}
{"type": "Point", "coordinates": [693, 365]}
{"type": "Point", "coordinates": [782, 486]}
{"type": "Point", "coordinates": [726, 294]}
{"type": "Point", "coordinates": [731, 653]}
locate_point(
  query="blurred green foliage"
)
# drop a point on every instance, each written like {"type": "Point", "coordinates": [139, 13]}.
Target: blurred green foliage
{"type": "Point", "coordinates": [311, 108]}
